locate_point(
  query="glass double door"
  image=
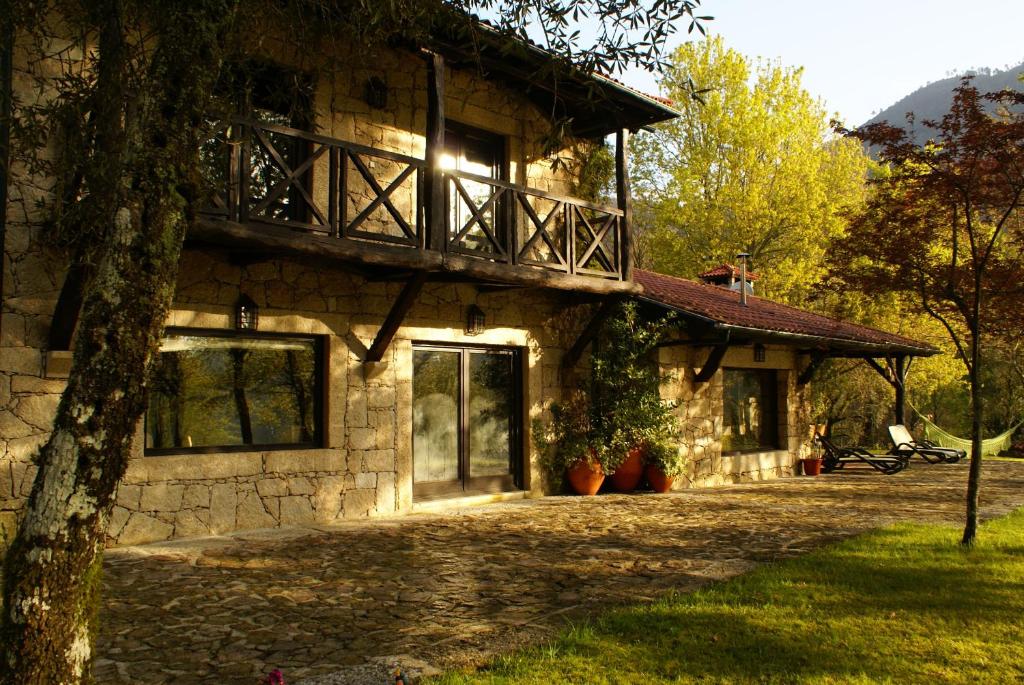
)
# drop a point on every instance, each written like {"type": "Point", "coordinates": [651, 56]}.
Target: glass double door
{"type": "Point", "coordinates": [466, 418]}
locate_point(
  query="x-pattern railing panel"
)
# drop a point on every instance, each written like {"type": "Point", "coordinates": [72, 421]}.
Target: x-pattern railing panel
{"type": "Point", "coordinates": [272, 177]}
{"type": "Point", "coordinates": [538, 233]}
{"type": "Point", "coordinates": [266, 173]}
{"type": "Point", "coordinates": [484, 226]}
{"type": "Point", "coordinates": [292, 189]}
{"type": "Point", "coordinates": [597, 241]}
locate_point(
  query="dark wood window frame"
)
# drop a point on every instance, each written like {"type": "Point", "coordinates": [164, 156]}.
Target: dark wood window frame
{"type": "Point", "coordinates": [320, 393]}
{"type": "Point", "coordinates": [775, 405]}
{"type": "Point", "coordinates": [484, 484]}
{"type": "Point", "coordinates": [264, 85]}
{"type": "Point", "coordinates": [501, 171]}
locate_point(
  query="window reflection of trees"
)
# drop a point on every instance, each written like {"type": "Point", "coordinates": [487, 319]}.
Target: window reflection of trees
{"type": "Point", "coordinates": [750, 410]}
{"type": "Point", "coordinates": [435, 415]}
{"type": "Point", "coordinates": [209, 391]}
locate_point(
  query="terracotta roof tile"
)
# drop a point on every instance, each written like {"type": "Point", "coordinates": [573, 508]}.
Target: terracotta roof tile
{"type": "Point", "coordinates": [723, 306]}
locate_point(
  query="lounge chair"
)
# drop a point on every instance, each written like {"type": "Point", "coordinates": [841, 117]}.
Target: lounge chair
{"type": "Point", "coordinates": [838, 457]}
{"type": "Point", "coordinates": [903, 443]}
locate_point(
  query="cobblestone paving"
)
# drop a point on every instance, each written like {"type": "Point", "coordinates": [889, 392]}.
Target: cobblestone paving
{"type": "Point", "coordinates": [456, 588]}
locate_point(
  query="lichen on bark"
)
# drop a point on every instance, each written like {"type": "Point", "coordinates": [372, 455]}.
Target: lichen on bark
{"type": "Point", "coordinates": [138, 186]}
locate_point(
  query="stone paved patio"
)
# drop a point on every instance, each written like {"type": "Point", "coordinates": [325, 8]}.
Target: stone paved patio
{"type": "Point", "coordinates": [456, 588]}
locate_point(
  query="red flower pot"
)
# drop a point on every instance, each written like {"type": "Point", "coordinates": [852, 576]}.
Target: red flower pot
{"type": "Point", "coordinates": [811, 467]}
{"type": "Point", "coordinates": [585, 478]}
{"type": "Point", "coordinates": [627, 476]}
{"type": "Point", "coordinates": [658, 480]}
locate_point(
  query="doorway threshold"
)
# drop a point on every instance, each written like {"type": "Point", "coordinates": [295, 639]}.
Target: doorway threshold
{"type": "Point", "coordinates": [463, 501]}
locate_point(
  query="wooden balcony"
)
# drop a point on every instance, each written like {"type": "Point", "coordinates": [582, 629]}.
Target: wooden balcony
{"type": "Point", "coordinates": [289, 191]}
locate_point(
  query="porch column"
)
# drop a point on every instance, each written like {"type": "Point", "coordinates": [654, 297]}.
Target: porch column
{"type": "Point", "coordinates": [434, 213]}
{"type": "Point", "coordinates": [900, 385]}
{"type": "Point", "coordinates": [625, 203]}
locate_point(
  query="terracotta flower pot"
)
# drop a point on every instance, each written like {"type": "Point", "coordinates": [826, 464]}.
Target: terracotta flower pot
{"type": "Point", "coordinates": [658, 480]}
{"type": "Point", "coordinates": [627, 476]}
{"type": "Point", "coordinates": [811, 467]}
{"type": "Point", "coordinates": [585, 478]}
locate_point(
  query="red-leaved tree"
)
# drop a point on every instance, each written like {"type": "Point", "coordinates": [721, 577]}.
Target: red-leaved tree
{"type": "Point", "coordinates": [944, 225]}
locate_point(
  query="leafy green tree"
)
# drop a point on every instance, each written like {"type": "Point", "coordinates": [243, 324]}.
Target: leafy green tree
{"type": "Point", "coordinates": [750, 166]}
{"type": "Point", "coordinates": [131, 115]}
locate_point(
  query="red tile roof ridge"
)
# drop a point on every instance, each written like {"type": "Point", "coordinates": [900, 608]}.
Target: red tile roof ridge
{"type": "Point", "coordinates": [723, 306]}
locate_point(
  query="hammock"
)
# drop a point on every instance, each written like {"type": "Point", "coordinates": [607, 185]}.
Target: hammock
{"type": "Point", "coordinates": [943, 439]}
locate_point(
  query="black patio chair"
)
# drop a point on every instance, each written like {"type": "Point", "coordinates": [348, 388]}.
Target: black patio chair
{"type": "Point", "coordinates": [903, 443]}
{"type": "Point", "coordinates": [836, 458]}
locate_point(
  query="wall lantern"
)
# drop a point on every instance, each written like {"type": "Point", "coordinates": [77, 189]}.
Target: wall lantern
{"type": "Point", "coordinates": [375, 92]}
{"type": "Point", "coordinates": [247, 314]}
{"type": "Point", "coordinates": [475, 320]}
{"type": "Point", "coordinates": [759, 352]}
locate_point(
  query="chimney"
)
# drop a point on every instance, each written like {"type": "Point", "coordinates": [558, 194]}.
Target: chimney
{"type": "Point", "coordinates": [743, 256]}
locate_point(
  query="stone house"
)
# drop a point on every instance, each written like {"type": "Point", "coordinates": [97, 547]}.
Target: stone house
{"type": "Point", "coordinates": [387, 286]}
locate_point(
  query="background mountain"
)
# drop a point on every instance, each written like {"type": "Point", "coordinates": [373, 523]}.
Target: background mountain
{"type": "Point", "coordinates": [933, 100]}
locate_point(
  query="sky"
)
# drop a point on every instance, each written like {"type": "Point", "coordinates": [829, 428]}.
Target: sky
{"type": "Point", "coordinates": [861, 57]}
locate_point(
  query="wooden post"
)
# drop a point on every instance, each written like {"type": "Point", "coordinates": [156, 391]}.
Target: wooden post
{"type": "Point", "coordinates": [625, 203]}
{"type": "Point", "coordinates": [900, 384]}
{"type": "Point", "coordinates": [435, 210]}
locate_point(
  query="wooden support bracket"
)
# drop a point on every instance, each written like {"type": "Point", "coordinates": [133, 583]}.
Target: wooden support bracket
{"type": "Point", "coordinates": [406, 299]}
{"type": "Point", "coordinates": [712, 364]}
{"type": "Point", "coordinates": [817, 357]}
{"type": "Point", "coordinates": [883, 371]}
{"type": "Point", "coordinates": [572, 356]}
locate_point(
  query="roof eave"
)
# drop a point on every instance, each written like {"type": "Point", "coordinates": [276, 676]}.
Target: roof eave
{"type": "Point", "coordinates": [833, 346]}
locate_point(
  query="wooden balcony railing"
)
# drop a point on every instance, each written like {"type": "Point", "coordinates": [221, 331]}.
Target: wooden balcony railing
{"type": "Point", "coordinates": [268, 174]}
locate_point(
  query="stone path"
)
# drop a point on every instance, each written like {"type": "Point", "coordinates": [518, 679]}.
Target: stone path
{"type": "Point", "coordinates": [456, 588]}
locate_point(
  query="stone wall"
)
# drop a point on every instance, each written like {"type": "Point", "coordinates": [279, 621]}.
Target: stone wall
{"type": "Point", "coordinates": [365, 465]}
{"type": "Point", "coordinates": [701, 415]}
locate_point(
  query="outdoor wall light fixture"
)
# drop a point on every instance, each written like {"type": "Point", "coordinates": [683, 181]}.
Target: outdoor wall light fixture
{"type": "Point", "coordinates": [475, 320]}
{"type": "Point", "coordinates": [759, 352]}
{"type": "Point", "coordinates": [247, 314]}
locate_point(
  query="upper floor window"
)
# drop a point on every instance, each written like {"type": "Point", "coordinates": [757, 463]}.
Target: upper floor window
{"type": "Point", "coordinates": [267, 95]}
{"type": "Point", "coordinates": [476, 215]}
{"type": "Point", "coordinates": [223, 391]}
{"type": "Point", "coordinates": [751, 421]}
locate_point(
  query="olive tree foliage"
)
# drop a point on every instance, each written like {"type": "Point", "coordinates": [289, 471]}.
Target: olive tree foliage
{"type": "Point", "coordinates": [112, 104]}
{"type": "Point", "coordinates": [750, 166]}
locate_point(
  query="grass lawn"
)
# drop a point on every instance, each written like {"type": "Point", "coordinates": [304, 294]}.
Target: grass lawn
{"type": "Point", "coordinates": [898, 605]}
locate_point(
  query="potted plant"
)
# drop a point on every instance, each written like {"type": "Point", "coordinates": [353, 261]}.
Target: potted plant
{"type": "Point", "coordinates": [664, 465]}
{"type": "Point", "coordinates": [570, 444]}
{"type": "Point", "coordinates": [626, 385]}
{"type": "Point", "coordinates": [811, 466]}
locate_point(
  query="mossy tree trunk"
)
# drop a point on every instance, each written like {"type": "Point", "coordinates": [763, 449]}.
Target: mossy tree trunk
{"type": "Point", "coordinates": [141, 181]}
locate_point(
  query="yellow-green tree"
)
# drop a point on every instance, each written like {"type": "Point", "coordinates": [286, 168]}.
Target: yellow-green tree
{"type": "Point", "coordinates": [750, 166]}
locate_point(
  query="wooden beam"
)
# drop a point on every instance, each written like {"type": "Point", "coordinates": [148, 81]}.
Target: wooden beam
{"type": "Point", "coordinates": [69, 305]}
{"type": "Point", "coordinates": [406, 299]}
{"type": "Point", "coordinates": [572, 356]}
{"type": "Point", "coordinates": [900, 386]}
{"type": "Point", "coordinates": [712, 364]}
{"type": "Point", "coordinates": [435, 209]}
{"type": "Point", "coordinates": [883, 371]}
{"type": "Point", "coordinates": [536, 276]}
{"type": "Point", "coordinates": [625, 199]}
{"type": "Point", "coordinates": [817, 357]}
{"type": "Point", "coordinates": [285, 241]}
